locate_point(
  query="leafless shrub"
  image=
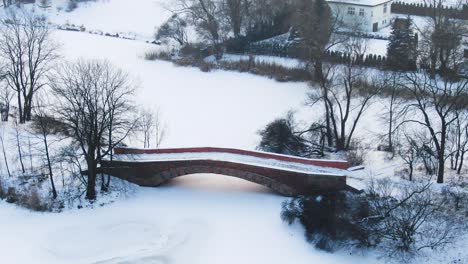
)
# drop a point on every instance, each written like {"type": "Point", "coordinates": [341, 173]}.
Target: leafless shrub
{"type": "Point", "coordinates": [457, 193]}
{"type": "Point", "coordinates": [32, 200]}
{"type": "Point", "coordinates": [402, 218]}
{"type": "Point", "coordinates": [151, 128]}
{"type": "Point", "coordinates": [270, 70]}
{"type": "Point", "coordinates": [410, 216]}
{"type": "Point", "coordinates": [356, 154]}
{"type": "Point", "coordinates": [158, 55]}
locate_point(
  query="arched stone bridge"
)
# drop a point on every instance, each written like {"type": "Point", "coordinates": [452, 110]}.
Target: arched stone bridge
{"type": "Point", "coordinates": [284, 174]}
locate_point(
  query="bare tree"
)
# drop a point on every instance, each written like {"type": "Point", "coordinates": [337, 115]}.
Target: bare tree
{"type": "Point", "coordinates": [316, 24]}
{"type": "Point", "coordinates": [28, 51]}
{"type": "Point", "coordinates": [6, 95]}
{"type": "Point", "coordinates": [174, 28]}
{"type": "Point", "coordinates": [151, 127]}
{"type": "Point", "coordinates": [207, 17]}
{"type": "Point", "coordinates": [410, 216]}
{"type": "Point", "coordinates": [2, 141]}
{"type": "Point", "coordinates": [19, 141]}
{"type": "Point", "coordinates": [458, 139]}
{"type": "Point", "coordinates": [347, 92]}
{"type": "Point", "coordinates": [7, 3]}
{"type": "Point", "coordinates": [433, 105]}
{"type": "Point", "coordinates": [235, 11]}
{"type": "Point", "coordinates": [391, 92]}
{"type": "Point", "coordinates": [44, 124]}
{"type": "Point", "coordinates": [95, 103]}
{"type": "Point", "coordinates": [410, 154]}
{"type": "Point", "coordinates": [441, 38]}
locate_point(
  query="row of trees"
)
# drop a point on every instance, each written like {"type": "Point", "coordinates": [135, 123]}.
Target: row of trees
{"type": "Point", "coordinates": [228, 21]}
{"type": "Point", "coordinates": [92, 104]}
{"type": "Point", "coordinates": [425, 115]}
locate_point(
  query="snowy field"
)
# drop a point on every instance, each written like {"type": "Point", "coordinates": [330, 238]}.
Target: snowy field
{"type": "Point", "coordinates": [204, 219]}
{"type": "Point", "coordinates": [196, 219]}
{"type": "Point", "coordinates": [141, 18]}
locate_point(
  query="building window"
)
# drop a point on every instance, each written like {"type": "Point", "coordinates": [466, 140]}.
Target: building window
{"type": "Point", "coordinates": [385, 8]}
{"type": "Point", "coordinates": [351, 11]}
{"type": "Point", "coordinates": [361, 12]}
{"type": "Point", "coordinates": [372, 13]}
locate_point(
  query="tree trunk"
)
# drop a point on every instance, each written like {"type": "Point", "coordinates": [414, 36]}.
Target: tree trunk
{"type": "Point", "coordinates": [91, 185]}
{"type": "Point", "coordinates": [20, 109]}
{"type": "Point", "coordinates": [27, 110]}
{"type": "Point", "coordinates": [20, 153]}
{"type": "Point", "coordinates": [411, 169]}
{"type": "Point", "coordinates": [104, 187]}
{"type": "Point", "coordinates": [328, 131]}
{"type": "Point", "coordinates": [460, 165]}
{"type": "Point", "coordinates": [440, 170]}
{"type": "Point", "coordinates": [318, 71]}
{"type": "Point", "coordinates": [51, 176]}
{"type": "Point", "coordinates": [433, 65]}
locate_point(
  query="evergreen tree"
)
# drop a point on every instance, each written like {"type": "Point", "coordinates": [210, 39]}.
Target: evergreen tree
{"type": "Point", "coordinates": [401, 50]}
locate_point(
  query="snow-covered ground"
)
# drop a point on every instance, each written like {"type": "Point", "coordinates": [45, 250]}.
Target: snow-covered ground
{"type": "Point", "coordinates": [218, 109]}
{"type": "Point", "coordinates": [195, 219]}
{"type": "Point", "coordinates": [139, 17]}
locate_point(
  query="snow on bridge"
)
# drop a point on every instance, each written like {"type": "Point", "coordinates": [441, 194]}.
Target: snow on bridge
{"type": "Point", "coordinates": [285, 174]}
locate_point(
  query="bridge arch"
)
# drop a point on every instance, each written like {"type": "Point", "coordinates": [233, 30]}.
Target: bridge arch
{"type": "Point", "coordinates": [240, 174]}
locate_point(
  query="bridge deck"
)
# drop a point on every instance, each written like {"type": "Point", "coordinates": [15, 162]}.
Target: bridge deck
{"type": "Point", "coordinates": [237, 158]}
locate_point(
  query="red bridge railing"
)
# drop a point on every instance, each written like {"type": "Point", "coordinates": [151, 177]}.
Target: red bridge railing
{"type": "Point", "coordinates": [339, 164]}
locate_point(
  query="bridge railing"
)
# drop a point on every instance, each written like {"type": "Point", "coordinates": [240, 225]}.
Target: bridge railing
{"type": "Point", "coordinates": [339, 164]}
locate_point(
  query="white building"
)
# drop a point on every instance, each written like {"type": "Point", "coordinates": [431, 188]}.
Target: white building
{"type": "Point", "coordinates": [369, 15]}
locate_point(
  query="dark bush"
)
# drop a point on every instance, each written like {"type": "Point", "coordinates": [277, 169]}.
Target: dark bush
{"type": "Point", "coordinates": [236, 45]}
{"type": "Point", "coordinates": [271, 70]}
{"type": "Point", "coordinates": [329, 219]}
{"type": "Point", "coordinates": [71, 5]}
{"type": "Point", "coordinates": [279, 137]}
{"type": "Point", "coordinates": [11, 195]}
{"type": "Point", "coordinates": [49, 123]}
{"type": "Point", "coordinates": [195, 51]}
{"type": "Point", "coordinates": [2, 190]}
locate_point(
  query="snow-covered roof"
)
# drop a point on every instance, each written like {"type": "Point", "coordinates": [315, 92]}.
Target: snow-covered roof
{"type": "Point", "coordinates": [361, 2]}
